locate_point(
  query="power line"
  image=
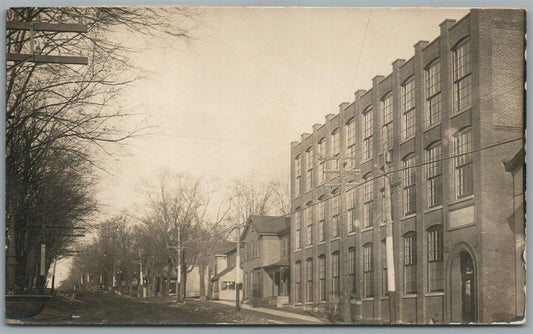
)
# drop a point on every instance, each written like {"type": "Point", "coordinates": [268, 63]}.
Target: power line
{"type": "Point", "coordinates": [405, 168]}
{"type": "Point", "coordinates": [362, 47]}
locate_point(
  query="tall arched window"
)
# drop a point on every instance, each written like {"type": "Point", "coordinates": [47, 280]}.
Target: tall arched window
{"type": "Point", "coordinates": [309, 168]}
{"type": "Point", "coordinates": [308, 213]}
{"type": "Point", "coordinates": [350, 143]}
{"type": "Point", "coordinates": [435, 259]}
{"type": "Point", "coordinates": [368, 198]}
{"type": "Point", "coordinates": [432, 85]}
{"type": "Point", "coordinates": [335, 273]}
{"type": "Point", "coordinates": [368, 268]}
{"type": "Point", "coordinates": [409, 184]}
{"type": "Point", "coordinates": [462, 149]}
{"type": "Point", "coordinates": [433, 175]}
{"type": "Point", "coordinates": [309, 276]}
{"type": "Point", "coordinates": [298, 174]}
{"type": "Point", "coordinates": [321, 163]}
{"type": "Point", "coordinates": [351, 269]}
{"type": "Point", "coordinates": [335, 151]}
{"type": "Point", "coordinates": [409, 262]}
{"type": "Point", "coordinates": [298, 228]}
{"type": "Point", "coordinates": [334, 211]}
{"type": "Point", "coordinates": [368, 132]}
{"type": "Point", "coordinates": [387, 127]}
{"type": "Point", "coordinates": [408, 108]}
{"type": "Point", "coordinates": [462, 78]}
{"type": "Point", "coordinates": [321, 217]}
{"type": "Point", "coordinates": [322, 277]}
{"type": "Point", "coordinates": [298, 282]}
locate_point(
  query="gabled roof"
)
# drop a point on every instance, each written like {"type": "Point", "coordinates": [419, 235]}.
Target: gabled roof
{"type": "Point", "coordinates": [225, 247]}
{"type": "Point", "coordinates": [222, 273]}
{"type": "Point", "coordinates": [267, 225]}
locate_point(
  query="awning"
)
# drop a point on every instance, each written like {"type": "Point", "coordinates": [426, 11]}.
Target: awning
{"type": "Point", "coordinates": [283, 263]}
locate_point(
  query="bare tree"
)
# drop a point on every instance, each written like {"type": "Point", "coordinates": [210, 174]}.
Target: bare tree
{"type": "Point", "coordinates": [58, 116]}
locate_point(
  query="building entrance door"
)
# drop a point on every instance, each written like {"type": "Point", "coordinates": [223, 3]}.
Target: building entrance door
{"type": "Point", "coordinates": [467, 288]}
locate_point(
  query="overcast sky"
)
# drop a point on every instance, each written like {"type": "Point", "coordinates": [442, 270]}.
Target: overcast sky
{"type": "Point", "coordinates": [253, 79]}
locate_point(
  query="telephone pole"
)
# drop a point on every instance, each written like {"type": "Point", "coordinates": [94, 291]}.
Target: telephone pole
{"type": "Point", "coordinates": [389, 240]}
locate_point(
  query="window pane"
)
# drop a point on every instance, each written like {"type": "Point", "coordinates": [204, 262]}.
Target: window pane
{"type": "Point", "coordinates": [410, 263]}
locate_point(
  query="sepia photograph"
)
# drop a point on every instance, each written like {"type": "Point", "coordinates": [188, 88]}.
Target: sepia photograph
{"type": "Point", "coordinates": [219, 165]}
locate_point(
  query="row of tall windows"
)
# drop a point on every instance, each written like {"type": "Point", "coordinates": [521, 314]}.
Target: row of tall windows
{"type": "Point", "coordinates": [463, 171]}
{"type": "Point", "coordinates": [462, 99]}
{"type": "Point", "coordinates": [309, 275]}
{"type": "Point", "coordinates": [435, 278]}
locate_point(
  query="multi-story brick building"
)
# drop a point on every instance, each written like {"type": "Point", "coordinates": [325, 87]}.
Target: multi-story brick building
{"type": "Point", "coordinates": [440, 125]}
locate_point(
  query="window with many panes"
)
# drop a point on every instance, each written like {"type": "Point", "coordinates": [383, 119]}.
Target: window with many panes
{"type": "Point", "coordinates": [462, 149]}
{"type": "Point", "coordinates": [433, 175]}
{"type": "Point", "coordinates": [321, 163]}
{"type": "Point", "coordinates": [309, 168]}
{"type": "Point", "coordinates": [368, 198]}
{"type": "Point", "coordinates": [284, 247]}
{"type": "Point", "coordinates": [350, 206]}
{"type": "Point", "coordinates": [335, 153]}
{"type": "Point", "coordinates": [309, 274]}
{"type": "Point", "coordinates": [433, 104]}
{"type": "Point", "coordinates": [386, 121]}
{"type": "Point", "coordinates": [334, 211]}
{"type": "Point", "coordinates": [298, 174]}
{"type": "Point", "coordinates": [335, 273]}
{"type": "Point", "coordinates": [409, 256]}
{"type": "Point", "coordinates": [435, 259]}
{"type": "Point", "coordinates": [298, 225]}
{"type": "Point", "coordinates": [409, 185]}
{"type": "Point", "coordinates": [350, 143]}
{"type": "Point", "coordinates": [368, 131]}
{"type": "Point", "coordinates": [321, 220]}
{"type": "Point", "coordinates": [322, 277]}
{"type": "Point", "coordinates": [408, 109]}
{"type": "Point", "coordinates": [309, 225]}
{"type": "Point", "coordinates": [368, 268]}
{"type": "Point", "coordinates": [384, 273]}
{"type": "Point", "coordinates": [351, 270]}
{"type": "Point", "coordinates": [462, 78]}
{"type": "Point", "coordinates": [297, 280]}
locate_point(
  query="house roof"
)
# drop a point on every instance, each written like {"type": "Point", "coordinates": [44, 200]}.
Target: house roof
{"type": "Point", "coordinates": [225, 247]}
{"type": "Point", "coordinates": [222, 273]}
{"type": "Point", "coordinates": [267, 224]}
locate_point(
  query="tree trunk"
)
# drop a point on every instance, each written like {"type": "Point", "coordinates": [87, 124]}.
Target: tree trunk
{"type": "Point", "coordinates": [201, 270]}
{"type": "Point", "coordinates": [209, 284]}
{"type": "Point", "coordinates": [183, 287]}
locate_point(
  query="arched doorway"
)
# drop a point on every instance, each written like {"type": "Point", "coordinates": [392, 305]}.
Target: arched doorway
{"type": "Point", "coordinates": [463, 288]}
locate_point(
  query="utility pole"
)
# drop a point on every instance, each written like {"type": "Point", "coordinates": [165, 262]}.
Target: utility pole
{"type": "Point", "coordinates": [178, 274]}
{"type": "Point", "coordinates": [237, 270]}
{"type": "Point", "coordinates": [389, 241]}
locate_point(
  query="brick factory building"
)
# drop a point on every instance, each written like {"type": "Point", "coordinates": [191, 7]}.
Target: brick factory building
{"type": "Point", "coordinates": [440, 127]}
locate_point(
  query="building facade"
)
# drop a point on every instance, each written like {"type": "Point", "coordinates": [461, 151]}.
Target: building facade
{"type": "Point", "coordinates": [265, 260]}
{"type": "Point", "coordinates": [223, 282]}
{"type": "Point", "coordinates": [434, 131]}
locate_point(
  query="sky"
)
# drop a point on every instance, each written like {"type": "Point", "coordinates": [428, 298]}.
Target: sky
{"type": "Point", "coordinates": [229, 102]}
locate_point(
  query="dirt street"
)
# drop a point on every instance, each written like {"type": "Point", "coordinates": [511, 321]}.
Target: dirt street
{"type": "Point", "coordinates": [98, 308]}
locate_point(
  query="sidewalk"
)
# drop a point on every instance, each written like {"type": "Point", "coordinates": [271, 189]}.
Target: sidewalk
{"type": "Point", "coordinates": [283, 314]}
